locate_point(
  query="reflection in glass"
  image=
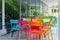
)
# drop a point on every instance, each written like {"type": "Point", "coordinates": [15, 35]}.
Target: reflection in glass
{"type": "Point", "coordinates": [12, 11]}
{"type": "Point", "coordinates": [0, 14]}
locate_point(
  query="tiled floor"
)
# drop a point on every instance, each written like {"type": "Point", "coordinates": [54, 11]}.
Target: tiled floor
{"type": "Point", "coordinates": [55, 33]}
{"type": "Point", "coordinates": [7, 37]}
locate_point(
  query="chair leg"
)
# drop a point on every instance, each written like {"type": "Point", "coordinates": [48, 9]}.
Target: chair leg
{"type": "Point", "coordinates": [32, 36]}
{"type": "Point", "coordinates": [48, 37]}
{"type": "Point", "coordinates": [18, 37]}
{"type": "Point", "coordinates": [42, 36]}
{"type": "Point", "coordinates": [51, 34]}
{"type": "Point", "coordinates": [23, 35]}
{"type": "Point", "coordinates": [10, 35]}
{"type": "Point", "coordinates": [37, 37]}
{"type": "Point", "coordinates": [28, 36]}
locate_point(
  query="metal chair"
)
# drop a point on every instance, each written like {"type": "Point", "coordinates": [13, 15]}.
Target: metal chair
{"type": "Point", "coordinates": [25, 28]}
{"type": "Point", "coordinates": [13, 24]}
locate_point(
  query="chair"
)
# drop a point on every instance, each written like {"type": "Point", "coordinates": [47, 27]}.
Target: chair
{"type": "Point", "coordinates": [24, 28]}
{"type": "Point", "coordinates": [13, 24]}
{"type": "Point", "coordinates": [48, 25]}
{"type": "Point", "coordinates": [37, 28]}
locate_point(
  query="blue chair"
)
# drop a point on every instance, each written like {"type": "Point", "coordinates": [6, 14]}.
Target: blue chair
{"type": "Point", "coordinates": [13, 24]}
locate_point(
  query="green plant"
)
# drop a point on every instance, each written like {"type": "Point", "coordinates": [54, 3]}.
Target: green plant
{"type": "Point", "coordinates": [0, 5]}
{"type": "Point", "coordinates": [23, 8]}
{"type": "Point", "coordinates": [12, 7]}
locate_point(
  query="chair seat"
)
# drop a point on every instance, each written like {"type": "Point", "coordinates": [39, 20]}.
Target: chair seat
{"type": "Point", "coordinates": [41, 31]}
{"type": "Point", "coordinates": [15, 28]}
{"type": "Point", "coordinates": [34, 28]}
{"type": "Point", "coordinates": [22, 26]}
{"type": "Point", "coordinates": [37, 32]}
{"type": "Point", "coordinates": [25, 30]}
{"type": "Point", "coordinates": [45, 30]}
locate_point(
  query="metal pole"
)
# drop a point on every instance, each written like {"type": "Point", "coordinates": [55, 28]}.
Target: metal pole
{"type": "Point", "coordinates": [35, 8]}
{"type": "Point", "coordinates": [42, 10]}
{"type": "Point", "coordinates": [39, 8]}
{"type": "Point", "coordinates": [20, 9]}
{"type": "Point", "coordinates": [26, 8]}
{"type": "Point", "coordinates": [3, 14]}
{"type": "Point", "coordinates": [30, 7]}
{"type": "Point", "coordinates": [59, 22]}
{"type": "Point", "coordinates": [20, 25]}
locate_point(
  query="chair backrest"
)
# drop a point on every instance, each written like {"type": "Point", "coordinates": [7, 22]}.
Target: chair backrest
{"type": "Point", "coordinates": [46, 20]}
{"type": "Point", "coordinates": [54, 19]}
{"type": "Point", "coordinates": [24, 22]}
{"type": "Point", "coordinates": [12, 21]}
{"type": "Point", "coordinates": [36, 22]}
{"type": "Point", "coordinates": [48, 24]}
{"type": "Point", "coordinates": [33, 19]}
{"type": "Point", "coordinates": [27, 19]}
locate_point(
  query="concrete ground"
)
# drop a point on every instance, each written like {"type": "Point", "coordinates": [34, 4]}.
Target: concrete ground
{"type": "Point", "coordinates": [7, 36]}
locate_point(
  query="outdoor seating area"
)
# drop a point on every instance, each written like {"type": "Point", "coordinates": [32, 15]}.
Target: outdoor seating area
{"type": "Point", "coordinates": [38, 26]}
{"type": "Point", "coordinates": [29, 19]}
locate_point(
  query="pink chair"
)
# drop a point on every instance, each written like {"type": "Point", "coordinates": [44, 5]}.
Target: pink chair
{"type": "Point", "coordinates": [24, 28]}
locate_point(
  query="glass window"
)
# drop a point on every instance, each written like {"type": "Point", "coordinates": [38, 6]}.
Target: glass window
{"type": "Point", "coordinates": [0, 14]}
{"type": "Point", "coordinates": [12, 11]}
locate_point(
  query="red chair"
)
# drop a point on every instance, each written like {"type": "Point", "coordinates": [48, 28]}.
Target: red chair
{"type": "Point", "coordinates": [36, 26]}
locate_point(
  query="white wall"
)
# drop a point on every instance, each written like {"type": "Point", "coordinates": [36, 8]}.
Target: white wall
{"type": "Point", "coordinates": [50, 2]}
